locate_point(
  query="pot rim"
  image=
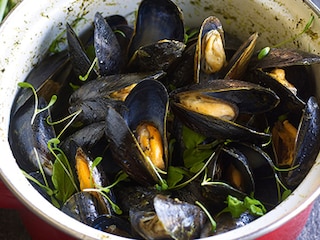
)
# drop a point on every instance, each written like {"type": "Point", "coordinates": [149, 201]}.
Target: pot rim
{"type": "Point", "coordinates": [300, 199]}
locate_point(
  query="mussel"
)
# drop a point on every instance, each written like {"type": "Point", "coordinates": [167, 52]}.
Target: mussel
{"type": "Point", "coordinates": [247, 98]}
{"type": "Point", "coordinates": [170, 218]}
{"type": "Point", "coordinates": [94, 97]}
{"type": "Point", "coordinates": [305, 147]}
{"type": "Point", "coordinates": [29, 135]}
{"type": "Point", "coordinates": [156, 20]}
{"type": "Point", "coordinates": [143, 129]}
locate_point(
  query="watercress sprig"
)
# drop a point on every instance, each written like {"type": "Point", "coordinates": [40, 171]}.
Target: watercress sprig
{"type": "Point", "coordinates": [36, 100]}
{"type": "Point", "coordinates": [237, 207]}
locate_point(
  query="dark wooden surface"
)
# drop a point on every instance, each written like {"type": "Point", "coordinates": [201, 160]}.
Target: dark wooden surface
{"type": "Point", "coordinates": [11, 227]}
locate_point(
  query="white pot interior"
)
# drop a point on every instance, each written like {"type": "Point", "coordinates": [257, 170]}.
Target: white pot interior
{"type": "Point", "coordinates": [28, 31]}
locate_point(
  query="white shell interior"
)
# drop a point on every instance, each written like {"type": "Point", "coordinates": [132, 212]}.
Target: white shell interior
{"type": "Point", "coordinates": [28, 31]}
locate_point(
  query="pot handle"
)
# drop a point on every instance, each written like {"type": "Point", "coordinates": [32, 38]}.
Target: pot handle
{"type": "Point", "coordinates": [314, 5]}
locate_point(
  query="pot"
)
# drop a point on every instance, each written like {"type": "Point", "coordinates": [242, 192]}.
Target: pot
{"type": "Point", "coordinates": [28, 31]}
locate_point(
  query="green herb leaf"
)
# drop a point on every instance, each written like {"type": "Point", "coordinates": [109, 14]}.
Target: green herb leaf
{"type": "Point", "coordinates": [191, 139]}
{"type": "Point", "coordinates": [175, 175]}
{"type": "Point", "coordinates": [197, 167]}
{"type": "Point", "coordinates": [254, 206]}
{"type": "Point", "coordinates": [61, 180]}
{"type": "Point", "coordinates": [193, 155]}
{"type": "Point", "coordinates": [237, 207]}
{"type": "Point", "coordinates": [263, 52]}
{"type": "Point", "coordinates": [96, 162]}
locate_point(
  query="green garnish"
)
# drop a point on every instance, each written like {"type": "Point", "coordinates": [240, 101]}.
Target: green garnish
{"type": "Point", "coordinates": [62, 176]}
{"type": "Point", "coordinates": [212, 221]}
{"type": "Point", "coordinates": [237, 207]}
{"type": "Point", "coordinates": [36, 100]}
{"type": "Point", "coordinates": [195, 153]}
{"type": "Point", "coordinates": [263, 52]}
{"type": "Point", "coordinates": [85, 77]}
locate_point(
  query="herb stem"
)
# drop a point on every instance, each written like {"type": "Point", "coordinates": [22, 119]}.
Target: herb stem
{"type": "Point", "coordinates": [213, 222]}
{"type": "Point", "coordinates": [196, 175]}
{"type": "Point", "coordinates": [85, 77]}
{"type": "Point", "coordinates": [72, 116]}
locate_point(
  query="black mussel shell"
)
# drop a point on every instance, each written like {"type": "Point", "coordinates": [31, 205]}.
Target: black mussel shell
{"type": "Point", "coordinates": [85, 207]}
{"type": "Point", "coordinates": [103, 87]}
{"type": "Point", "coordinates": [248, 98]}
{"type": "Point", "coordinates": [171, 218]}
{"type": "Point", "coordinates": [157, 20]}
{"type": "Point", "coordinates": [147, 102]}
{"type": "Point", "coordinates": [107, 47]}
{"type": "Point", "coordinates": [284, 57]}
{"type": "Point", "coordinates": [78, 57]}
{"type": "Point", "coordinates": [47, 78]}
{"type": "Point", "coordinates": [307, 143]}
{"type": "Point", "coordinates": [113, 224]}
{"type": "Point", "coordinates": [29, 140]}
{"type": "Point", "coordinates": [157, 56]}
{"type": "Point", "coordinates": [289, 102]}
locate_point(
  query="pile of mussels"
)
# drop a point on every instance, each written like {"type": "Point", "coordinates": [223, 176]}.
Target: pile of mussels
{"type": "Point", "coordinates": [183, 123]}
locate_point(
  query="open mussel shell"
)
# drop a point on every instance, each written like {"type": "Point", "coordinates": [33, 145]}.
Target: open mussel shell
{"type": "Point", "coordinates": [307, 143]}
{"type": "Point", "coordinates": [289, 102]}
{"type": "Point", "coordinates": [239, 62]}
{"type": "Point", "coordinates": [209, 56]}
{"type": "Point", "coordinates": [96, 96]}
{"type": "Point", "coordinates": [248, 98]}
{"type": "Point", "coordinates": [107, 47]}
{"type": "Point", "coordinates": [283, 57]}
{"type": "Point", "coordinates": [103, 87]}
{"type": "Point", "coordinates": [78, 57]}
{"type": "Point", "coordinates": [29, 140]}
{"type": "Point", "coordinates": [236, 169]}
{"type": "Point", "coordinates": [146, 103]}
{"type": "Point", "coordinates": [156, 20]}
{"type": "Point", "coordinates": [230, 174]}
{"type": "Point", "coordinates": [262, 170]}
